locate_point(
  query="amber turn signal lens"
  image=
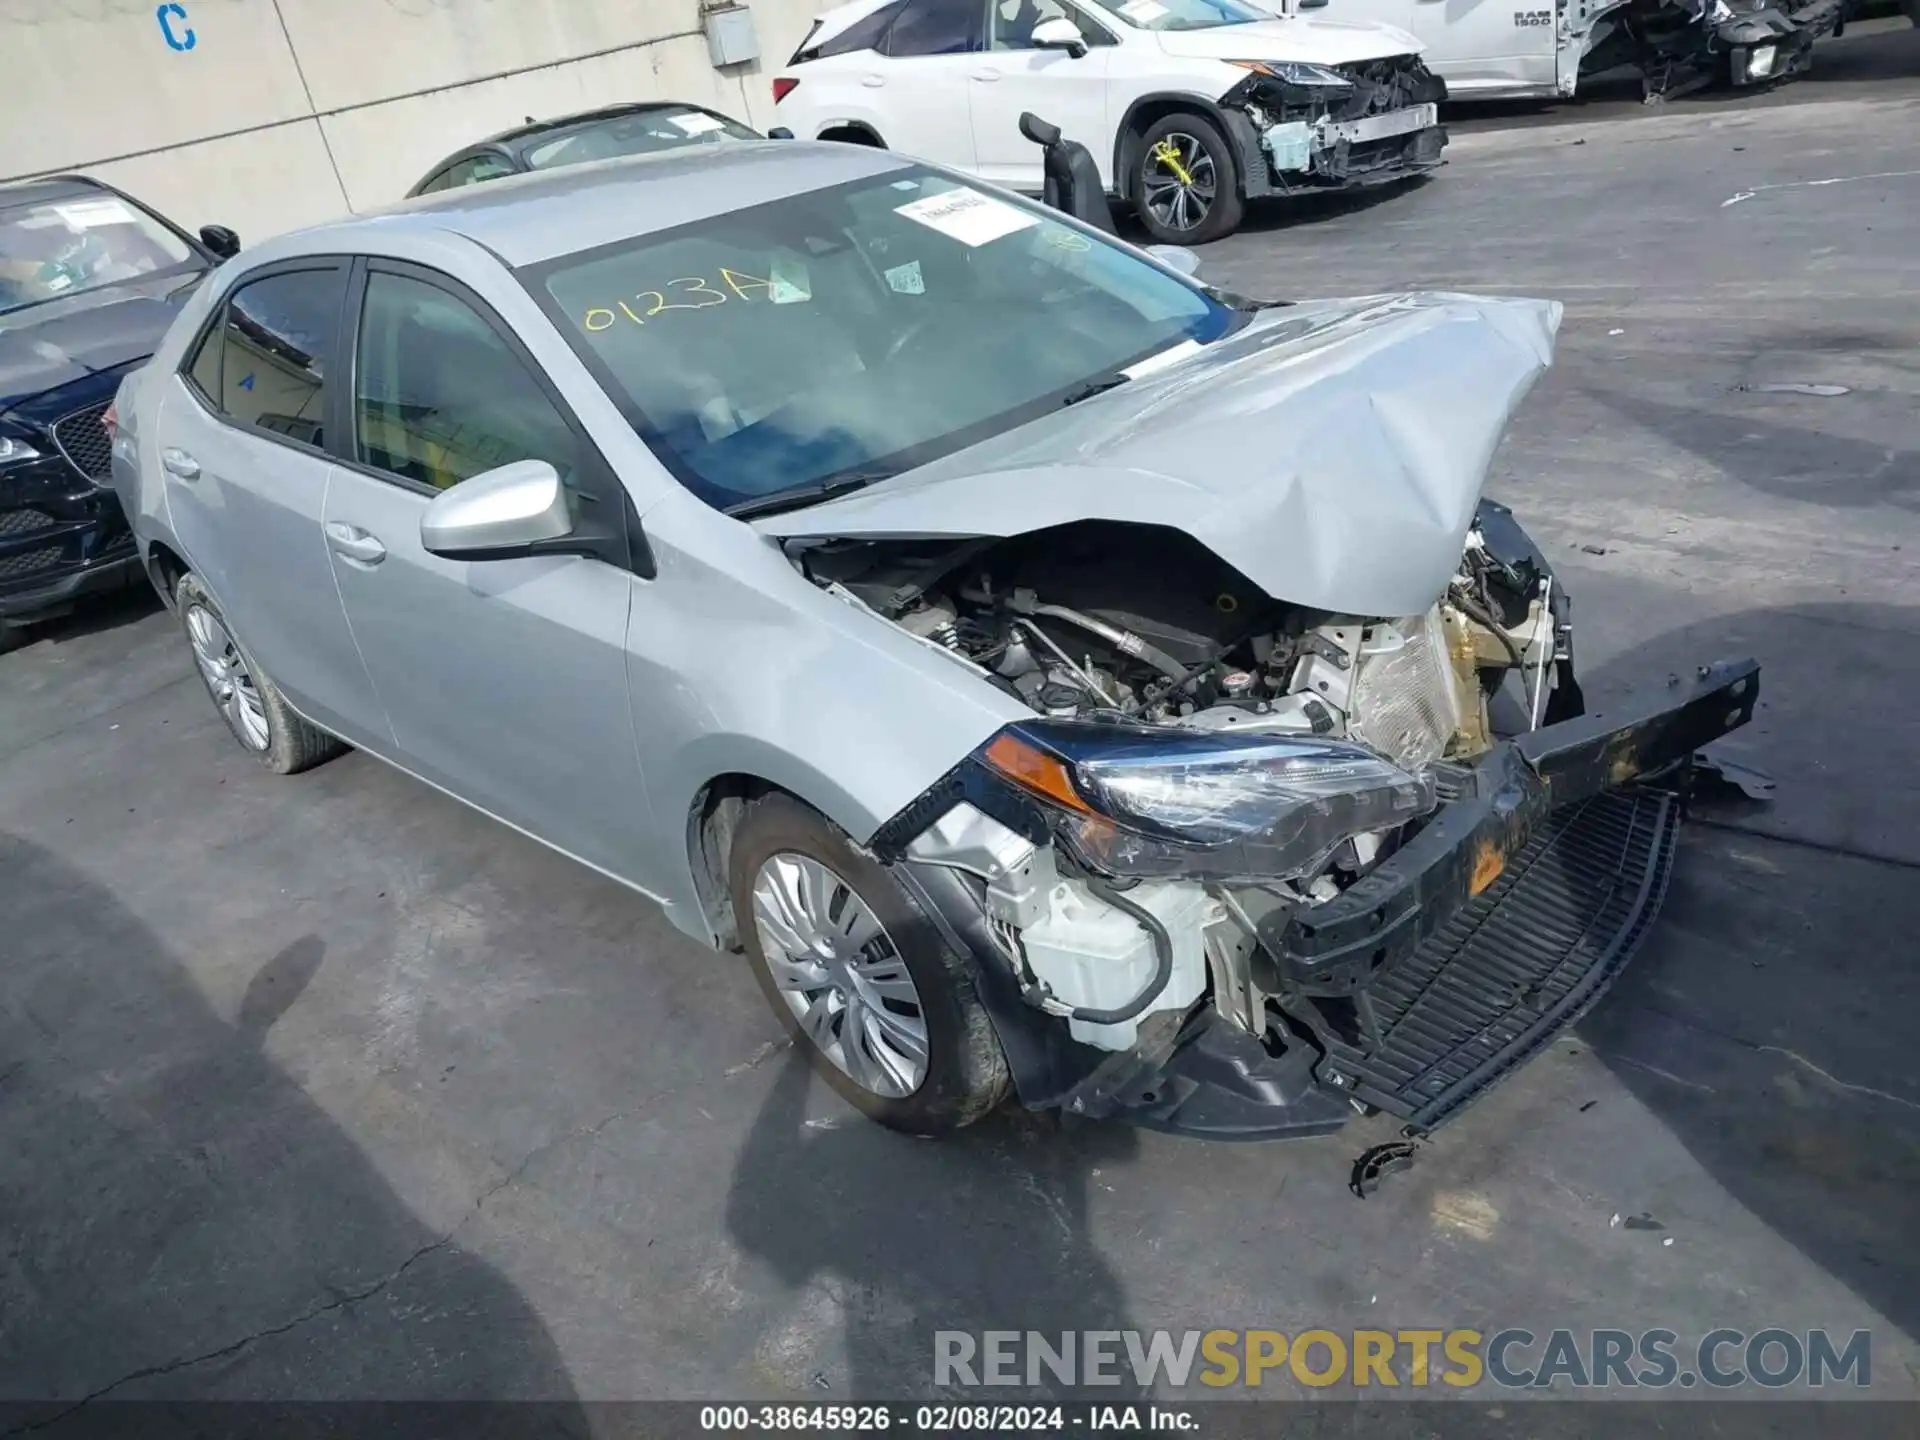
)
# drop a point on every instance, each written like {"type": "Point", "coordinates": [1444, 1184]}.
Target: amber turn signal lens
{"type": "Point", "coordinates": [1033, 769]}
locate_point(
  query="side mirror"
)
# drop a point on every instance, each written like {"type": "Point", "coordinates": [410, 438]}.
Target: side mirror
{"type": "Point", "coordinates": [1177, 258]}
{"type": "Point", "coordinates": [514, 510]}
{"type": "Point", "coordinates": [1059, 33]}
{"type": "Point", "coordinates": [220, 240]}
{"type": "Point", "coordinates": [779, 132]}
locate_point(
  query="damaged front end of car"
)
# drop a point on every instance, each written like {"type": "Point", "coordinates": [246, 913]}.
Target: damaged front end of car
{"type": "Point", "coordinates": [1680, 46]}
{"type": "Point", "coordinates": [1236, 879]}
{"type": "Point", "coordinates": [1304, 809]}
{"type": "Point", "coordinates": [1304, 127]}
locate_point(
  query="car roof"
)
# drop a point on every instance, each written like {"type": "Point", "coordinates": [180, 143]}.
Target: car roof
{"type": "Point", "coordinates": [48, 187]}
{"type": "Point", "coordinates": [524, 219]}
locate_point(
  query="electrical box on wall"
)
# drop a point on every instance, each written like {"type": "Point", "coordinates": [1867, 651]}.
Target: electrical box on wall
{"type": "Point", "coordinates": [731, 37]}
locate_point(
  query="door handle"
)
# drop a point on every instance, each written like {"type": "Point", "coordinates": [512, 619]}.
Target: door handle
{"type": "Point", "coordinates": [984, 75]}
{"type": "Point", "coordinates": [873, 82]}
{"type": "Point", "coordinates": [179, 462]}
{"type": "Point", "coordinates": [352, 543]}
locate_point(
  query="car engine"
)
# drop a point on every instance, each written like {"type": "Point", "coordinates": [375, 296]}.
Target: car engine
{"type": "Point", "coordinates": [1113, 621]}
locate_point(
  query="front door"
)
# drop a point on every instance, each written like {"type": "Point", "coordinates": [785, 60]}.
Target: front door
{"type": "Point", "coordinates": [241, 434]}
{"type": "Point", "coordinates": [1011, 76]}
{"type": "Point", "coordinates": [1488, 46]}
{"type": "Point", "coordinates": [505, 679]}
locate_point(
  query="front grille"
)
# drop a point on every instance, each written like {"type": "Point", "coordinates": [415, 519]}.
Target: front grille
{"type": "Point", "coordinates": [1392, 83]}
{"type": "Point", "coordinates": [1511, 970]}
{"type": "Point", "coordinates": [84, 441]}
{"type": "Point", "coordinates": [30, 562]}
{"type": "Point", "coordinates": [24, 522]}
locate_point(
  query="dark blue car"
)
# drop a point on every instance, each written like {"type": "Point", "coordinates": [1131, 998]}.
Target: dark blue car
{"type": "Point", "coordinates": [89, 281]}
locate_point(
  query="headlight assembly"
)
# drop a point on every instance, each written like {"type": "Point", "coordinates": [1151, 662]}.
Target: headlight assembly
{"type": "Point", "coordinates": [1297, 72]}
{"type": "Point", "coordinates": [13, 451]}
{"type": "Point", "coordinates": [1146, 803]}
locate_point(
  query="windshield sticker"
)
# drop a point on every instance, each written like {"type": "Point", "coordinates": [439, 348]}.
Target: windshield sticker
{"type": "Point", "coordinates": [968, 216]}
{"type": "Point", "coordinates": [905, 279]}
{"type": "Point", "coordinates": [1143, 12]}
{"type": "Point", "coordinates": [698, 124]}
{"type": "Point", "coordinates": [789, 284]}
{"type": "Point", "coordinates": [1061, 238]}
{"type": "Point", "coordinates": [90, 214]}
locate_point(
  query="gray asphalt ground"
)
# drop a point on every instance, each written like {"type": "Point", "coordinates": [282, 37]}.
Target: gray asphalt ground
{"type": "Point", "coordinates": [327, 1087]}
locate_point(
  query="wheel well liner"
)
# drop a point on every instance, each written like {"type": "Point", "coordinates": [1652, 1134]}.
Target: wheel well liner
{"type": "Point", "coordinates": [856, 132]}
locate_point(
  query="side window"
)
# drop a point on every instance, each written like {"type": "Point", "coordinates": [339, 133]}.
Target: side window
{"type": "Point", "coordinates": [476, 168]}
{"type": "Point", "coordinates": [936, 27]}
{"type": "Point", "coordinates": [436, 183]}
{"type": "Point", "coordinates": [1012, 22]}
{"type": "Point", "coordinates": [272, 355]}
{"type": "Point", "coordinates": [204, 368]}
{"type": "Point", "coordinates": [864, 34]}
{"type": "Point", "coordinates": [440, 397]}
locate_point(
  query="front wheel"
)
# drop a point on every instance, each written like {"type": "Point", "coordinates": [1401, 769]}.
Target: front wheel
{"type": "Point", "coordinates": [1187, 182]}
{"type": "Point", "coordinates": [882, 1007]}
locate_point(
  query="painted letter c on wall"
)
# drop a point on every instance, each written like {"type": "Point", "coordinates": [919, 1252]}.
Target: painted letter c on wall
{"type": "Point", "coordinates": [166, 15]}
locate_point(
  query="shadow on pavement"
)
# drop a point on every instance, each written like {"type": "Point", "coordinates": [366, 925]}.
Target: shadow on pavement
{"type": "Point", "coordinates": [181, 1220]}
{"type": "Point", "coordinates": [1772, 1020]}
{"type": "Point", "coordinates": [986, 1230]}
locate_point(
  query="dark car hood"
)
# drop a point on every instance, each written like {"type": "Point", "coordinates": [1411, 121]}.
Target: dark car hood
{"type": "Point", "coordinates": [46, 346]}
{"type": "Point", "coordinates": [1332, 452]}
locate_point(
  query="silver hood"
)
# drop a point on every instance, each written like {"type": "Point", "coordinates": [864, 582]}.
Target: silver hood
{"type": "Point", "coordinates": [1332, 452]}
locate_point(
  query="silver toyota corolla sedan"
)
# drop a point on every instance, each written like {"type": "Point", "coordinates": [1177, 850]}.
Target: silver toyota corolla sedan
{"type": "Point", "coordinates": [1058, 677]}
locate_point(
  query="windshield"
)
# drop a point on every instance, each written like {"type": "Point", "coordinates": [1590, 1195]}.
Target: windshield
{"type": "Point", "coordinates": [53, 248]}
{"type": "Point", "coordinates": [1182, 14]}
{"type": "Point", "coordinates": [666, 128]}
{"type": "Point", "coordinates": [851, 333]}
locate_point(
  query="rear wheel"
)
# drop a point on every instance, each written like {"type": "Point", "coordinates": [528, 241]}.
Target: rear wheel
{"type": "Point", "coordinates": [1186, 181]}
{"type": "Point", "coordinates": [247, 699]}
{"type": "Point", "coordinates": [883, 1009]}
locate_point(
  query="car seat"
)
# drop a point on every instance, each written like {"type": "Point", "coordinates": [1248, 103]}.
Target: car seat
{"type": "Point", "coordinates": [1073, 184]}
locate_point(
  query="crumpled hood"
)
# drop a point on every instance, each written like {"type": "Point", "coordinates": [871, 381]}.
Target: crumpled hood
{"type": "Point", "coordinates": [1318, 42]}
{"type": "Point", "coordinates": [45, 346]}
{"type": "Point", "coordinates": [1332, 452]}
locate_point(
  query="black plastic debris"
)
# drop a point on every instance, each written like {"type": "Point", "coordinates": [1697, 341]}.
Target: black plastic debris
{"type": "Point", "coordinates": [1642, 1221]}
{"type": "Point", "coordinates": [1713, 777]}
{"type": "Point", "coordinates": [1376, 1163]}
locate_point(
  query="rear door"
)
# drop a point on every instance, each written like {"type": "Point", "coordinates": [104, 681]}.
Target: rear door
{"type": "Point", "coordinates": [921, 79]}
{"type": "Point", "coordinates": [505, 679]}
{"type": "Point", "coordinates": [1011, 75]}
{"type": "Point", "coordinates": [242, 431]}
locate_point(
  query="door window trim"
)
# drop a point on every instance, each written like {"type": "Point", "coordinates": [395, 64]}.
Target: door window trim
{"type": "Point", "coordinates": [341, 265]}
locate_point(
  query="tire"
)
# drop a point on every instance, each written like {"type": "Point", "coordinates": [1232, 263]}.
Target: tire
{"type": "Point", "coordinates": [1198, 142]}
{"type": "Point", "coordinates": [268, 729]}
{"type": "Point", "coordinates": [964, 1074]}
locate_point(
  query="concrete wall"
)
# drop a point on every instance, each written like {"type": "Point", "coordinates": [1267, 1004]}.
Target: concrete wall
{"type": "Point", "coordinates": [267, 114]}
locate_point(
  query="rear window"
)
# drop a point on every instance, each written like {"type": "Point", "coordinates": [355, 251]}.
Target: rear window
{"type": "Point", "coordinates": [667, 128]}
{"type": "Point", "coordinates": [863, 34]}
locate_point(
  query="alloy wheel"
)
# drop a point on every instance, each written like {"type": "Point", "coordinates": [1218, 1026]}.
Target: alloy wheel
{"type": "Point", "coordinates": [1180, 182]}
{"type": "Point", "coordinates": [224, 669]}
{"type": "Point", "coordinates": [840, 973]}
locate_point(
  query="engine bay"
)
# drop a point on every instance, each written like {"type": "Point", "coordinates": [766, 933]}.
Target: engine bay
{"type": "Point", "coordinates": [1103, 620]}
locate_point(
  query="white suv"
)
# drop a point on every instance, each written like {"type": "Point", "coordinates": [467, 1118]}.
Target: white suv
{"type": "Point", "coordinates": [1190, 107]}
